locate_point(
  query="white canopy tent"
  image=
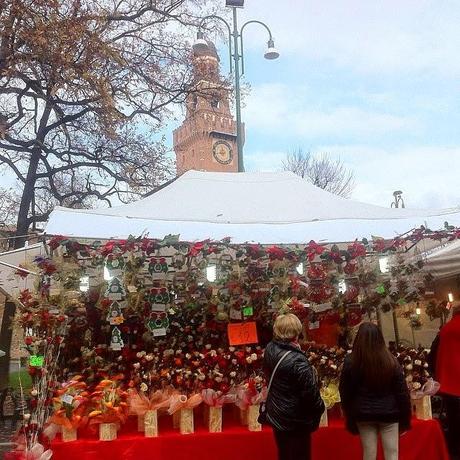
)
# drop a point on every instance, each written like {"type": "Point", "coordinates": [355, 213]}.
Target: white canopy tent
{"type": "Point", "coordinates": [444, 262]}
{"type": "Point", "coordinates": [10, 283]}
{"type": "Point", "coordinates": [268, 208]}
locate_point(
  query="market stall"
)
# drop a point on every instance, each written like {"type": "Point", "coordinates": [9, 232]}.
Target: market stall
{"type": "Point", "coordinates": [163, 336]}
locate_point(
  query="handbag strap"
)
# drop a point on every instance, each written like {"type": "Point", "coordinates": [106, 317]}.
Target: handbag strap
{"type": "Point", "coordinates": [275, 369]}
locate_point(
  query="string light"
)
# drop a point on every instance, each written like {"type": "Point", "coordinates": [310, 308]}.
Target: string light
{"type": "Point", "coordinates": [211, 273]}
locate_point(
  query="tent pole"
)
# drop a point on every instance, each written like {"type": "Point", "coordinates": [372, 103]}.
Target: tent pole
{"type": "Point", "coordinates": [395, 326]}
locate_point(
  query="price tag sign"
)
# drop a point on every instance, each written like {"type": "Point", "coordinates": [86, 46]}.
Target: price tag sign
{"type": "Point", "coordinates": [242, 333]}
{"type": "Point", "coordinates": [235, 314]}
{"type": "Point", "coordinates": [36, 361]}
{"type": "Point", "coordinates": [67, 399]}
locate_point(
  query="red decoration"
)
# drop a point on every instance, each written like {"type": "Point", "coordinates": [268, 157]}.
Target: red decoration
{"type": "Point", "coordinates": [313, 249]}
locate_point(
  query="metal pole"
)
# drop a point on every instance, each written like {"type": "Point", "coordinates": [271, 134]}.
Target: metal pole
{"type": "Point", "coordinates": [236, 60]}
{"type": "Point", "coordinates": [395, 325]}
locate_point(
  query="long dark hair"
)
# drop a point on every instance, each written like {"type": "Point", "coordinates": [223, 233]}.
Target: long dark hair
{"type": "Point", "coordinates": [371, 358]}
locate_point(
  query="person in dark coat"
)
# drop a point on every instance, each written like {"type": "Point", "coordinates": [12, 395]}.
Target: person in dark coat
{"type": "Point", "coordinates": [444, 360]}
{"type": "Point", "coordinates": [374, 394]}
{"type": "Point", "coordinates": [294, 405]}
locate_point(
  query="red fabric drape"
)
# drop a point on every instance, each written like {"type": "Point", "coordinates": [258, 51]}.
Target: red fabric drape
{"type": "Point", "coordinates": [424, 441]}
{"type": "Point", "coordinates": [448, 358]}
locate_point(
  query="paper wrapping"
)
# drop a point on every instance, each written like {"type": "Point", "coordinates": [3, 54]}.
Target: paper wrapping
{"type": "Point", "coordinates": [107, 431]}
{"type": "Point", "coordinates": [422, 408]}
{"type": "Point", "coordinates": [69, 434]}
{"type": "Point", "coordinates": [215, 420]}
{"type": "Point", "coordinates": [214, 401]}
{"type": "Point", "coordinates": [140, 422]}
{"type": "Point", "coordinates": [180, 404]}
{"type": "Point", "coordinates": [324, 419]}
{"type": "Point", "coordinates": [141, 403]}
{"type": "Point", "coordinates": [186, 421]}
{"type": "Point", "coordinates": [253, 415]}
{"type": "Point", "coordinates": [151, 424]}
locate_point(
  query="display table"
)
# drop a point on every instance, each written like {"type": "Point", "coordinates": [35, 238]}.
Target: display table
{"type": "Point", "coordinates": [424, 441]}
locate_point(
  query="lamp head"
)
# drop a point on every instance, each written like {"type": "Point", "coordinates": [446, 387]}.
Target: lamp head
{"type": "Point", "coordinates": [234, 3]}
{"type": "Point", "coordinates": [200, 45]}
{"type": "Point", "coordinates": [271, 52]}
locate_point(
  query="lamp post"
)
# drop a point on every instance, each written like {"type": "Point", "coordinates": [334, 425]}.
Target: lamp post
{"type": "Point", "coordinates": [236, 57]}
{"type": "Point", "coordinates": [399, 201]}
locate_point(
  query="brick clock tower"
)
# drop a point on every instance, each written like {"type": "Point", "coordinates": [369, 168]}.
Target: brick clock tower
{"type": "Point", "coordinates": [206, 140]}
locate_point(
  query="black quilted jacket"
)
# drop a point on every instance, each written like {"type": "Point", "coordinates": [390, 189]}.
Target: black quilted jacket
{"type": "Point", "coordinates": [294, 400]}
{"type": "Point", "coordinates": [361, 404]}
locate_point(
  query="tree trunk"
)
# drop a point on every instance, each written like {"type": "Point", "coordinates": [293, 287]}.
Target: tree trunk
{"type": "Point", "coordinates": [23, 222]}
{"type": "Point", "coordinates": [6, 334]}
{"type": "Point", "coordinates": [28, 193]}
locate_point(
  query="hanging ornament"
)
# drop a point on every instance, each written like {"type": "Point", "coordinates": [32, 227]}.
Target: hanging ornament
{"type": "Point", "coordinates": [116, 342]}
{"type": "Point", "coordinates": [351, 294]}
{"type": "Point", "coordinates": [115, 264]}
{"type": "Point", "coordinates": [115, 314]}
{"type": "Point", "coordinates": [158, 267]}
{"type": "Point", "coordinates": [158, 298]}
{"type": "Point", "coordinates": [158, 324]}
{"type": "Point", "coordinates": [115, 290]}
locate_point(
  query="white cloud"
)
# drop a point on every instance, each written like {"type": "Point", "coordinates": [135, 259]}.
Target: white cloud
{"type": "Point", "coordinates": [427, 176]}
{"type": "Point", "coordinates": [369, 37]}
{"type": "Point", "coordinates": [285, 109]}
{"type": "Point", "coordinates": [261, 161]}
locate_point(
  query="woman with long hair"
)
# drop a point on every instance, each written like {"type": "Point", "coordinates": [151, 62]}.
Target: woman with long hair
{"type": "Point", "coordinates": [374, 394]}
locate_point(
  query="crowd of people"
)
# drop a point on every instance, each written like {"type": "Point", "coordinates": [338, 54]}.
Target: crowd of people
{"type": "Point", "coordinates": [374, 394]}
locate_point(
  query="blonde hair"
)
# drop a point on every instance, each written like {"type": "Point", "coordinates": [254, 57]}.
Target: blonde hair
{"type": "Point", "coordinates": [287, 327]}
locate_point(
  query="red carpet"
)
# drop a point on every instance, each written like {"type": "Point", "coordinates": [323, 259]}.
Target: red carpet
{"type": "Point", "coordinates": [424, 442]}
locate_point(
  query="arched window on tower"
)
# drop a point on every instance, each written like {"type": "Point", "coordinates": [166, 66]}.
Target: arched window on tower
{"type": "Point", "coordinates": [215, 103]}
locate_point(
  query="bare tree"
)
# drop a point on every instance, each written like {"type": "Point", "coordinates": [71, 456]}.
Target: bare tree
{"type": "Point", "coordinates": [9, 206]}
{"type": "Point", "coordinates": [85, 86]}
{"type": "Point", "coordinates": [323, 171]}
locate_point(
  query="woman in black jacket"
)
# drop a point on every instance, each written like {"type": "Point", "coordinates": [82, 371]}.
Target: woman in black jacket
{"type": "Point", "coordinates": [294, 405]}
{"type": "Point", "coordinates": [374, 394]}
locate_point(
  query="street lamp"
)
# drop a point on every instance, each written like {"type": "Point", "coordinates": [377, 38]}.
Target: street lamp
{"type": "Point", "coordinates": [399, 201]}
{"type": "Point", "coordinates": [235, 44]}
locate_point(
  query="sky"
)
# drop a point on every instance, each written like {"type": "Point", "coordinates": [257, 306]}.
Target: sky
{"type": "Point", "coordinates": [376, 84]}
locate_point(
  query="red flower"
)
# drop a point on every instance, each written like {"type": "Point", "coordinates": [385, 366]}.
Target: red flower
{"type": "Point", "coordinates": [276, 253]}
{"type": "Point", "coordinates": [197, 248]}
{"type": "Point", "coordinates": [55, 242]}
{"type": "Point", "coordinates": [314, 249]}
{"type": "Point", "coordinates": [379, 245]}
{"type": "Point", "coordinates": [356, 250]}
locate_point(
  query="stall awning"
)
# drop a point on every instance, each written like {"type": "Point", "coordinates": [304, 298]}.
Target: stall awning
{"type": "Point", "coordinates": [267, 208]}
{"type": "Point", "coordinates": [444, 262]}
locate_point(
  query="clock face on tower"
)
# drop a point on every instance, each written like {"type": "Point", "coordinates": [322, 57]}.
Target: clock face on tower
{"type": "Point", "coordinates": [222, 152]}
